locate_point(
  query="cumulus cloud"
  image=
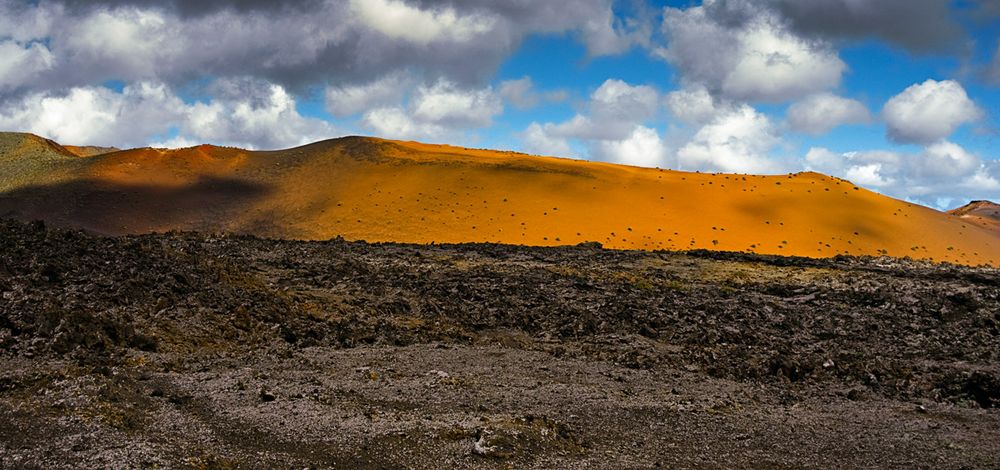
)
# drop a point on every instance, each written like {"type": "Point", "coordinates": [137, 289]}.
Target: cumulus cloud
{"type": "Point", "coordinates": [23, 21]}
{"type": "Point", "coordinates": [743, 52]}
{"type": "Point", "coordinates": [612, 112]}
{"type": "Point", "coordinates": [243, 113]}
{"type": "Point", "coordinates": [396, 123]}
{"type": "Point", "coordinates": [254, 114]}
{"type": "Point", "coordinates": [693, 105]}
{"type": "Point", "coordinates": [536, 140]}
{"type": "Point", "coordinates": [445, 104]}
{"type": "Point", "coordinates": [819, 113]}
{"type": "Point", "coordinates": [96, 115]}
{"type": "Point", "coordinates": [611, 127]}
{"type": "Point", "coordinates": [643, 147]}
{"type": "Point", "coordinates": [736, 141]}
{"type": "Point", "coordinates": [20, 64]}
{"type": "Point", "coordinates": [296, 44]}
{"type": "Point", "coordinates": [348, 100]}
{"type": "Point", "coordinates": [436, 111]}
{"type": "Point", "coordinates": [934, 174]}
{"type": "Point", "coordinates": [929, 111]}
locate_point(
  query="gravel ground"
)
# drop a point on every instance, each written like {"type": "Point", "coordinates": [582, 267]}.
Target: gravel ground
{"type": "Point", "coordinates": [215, 351]}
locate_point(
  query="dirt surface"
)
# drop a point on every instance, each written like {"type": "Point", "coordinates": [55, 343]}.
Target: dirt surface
{"type": "Point", "coordinates": [213, 351]}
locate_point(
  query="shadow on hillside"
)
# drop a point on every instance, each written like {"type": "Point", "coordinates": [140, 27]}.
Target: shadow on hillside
{"type": "Point", "coordinates": [209, 204]}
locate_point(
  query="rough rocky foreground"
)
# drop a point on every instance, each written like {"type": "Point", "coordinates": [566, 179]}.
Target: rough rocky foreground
{"type": "Point", "coordinates": [202, 351]}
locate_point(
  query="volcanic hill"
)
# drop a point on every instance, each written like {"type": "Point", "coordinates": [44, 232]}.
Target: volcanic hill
{"type": "Point", "coordinates": [387, 191]}
{"type": "Point", "coordinates": [985, 213]}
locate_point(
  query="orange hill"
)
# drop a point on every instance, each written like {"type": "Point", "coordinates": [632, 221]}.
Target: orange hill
{"type": "Point", "coordinates": [379, 190]}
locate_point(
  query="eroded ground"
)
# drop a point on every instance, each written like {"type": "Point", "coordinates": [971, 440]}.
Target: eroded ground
{"type": "Point", "coordinates": [207, 351]}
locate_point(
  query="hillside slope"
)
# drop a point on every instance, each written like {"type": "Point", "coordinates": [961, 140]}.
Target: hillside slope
{"type": "Point", "coordinates": [984, 213]}
{"type": "Point", "coordinates": [27, 159]}
{"type": "Point", "coordinates": [378, 190]}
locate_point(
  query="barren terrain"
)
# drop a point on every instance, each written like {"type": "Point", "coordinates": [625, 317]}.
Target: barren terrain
{"type": "Point", "coordinates": [386, 191]}
{"type": "Point", "coordinates": [221, 351]}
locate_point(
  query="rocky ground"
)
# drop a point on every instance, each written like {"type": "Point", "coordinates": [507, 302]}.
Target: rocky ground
{"type": "Point", "coordinates": [188, 350]}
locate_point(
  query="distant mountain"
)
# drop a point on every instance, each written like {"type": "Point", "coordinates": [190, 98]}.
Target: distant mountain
{"type": "Point", "coordinates": [381, 190]}
{"type": "Point", "coordinates": [984, 213]}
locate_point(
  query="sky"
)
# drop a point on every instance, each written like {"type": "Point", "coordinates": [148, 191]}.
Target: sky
{"type": "Point", "coordinates": [899, 96]}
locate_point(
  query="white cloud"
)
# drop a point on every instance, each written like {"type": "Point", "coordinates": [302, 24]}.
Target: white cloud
{"type": "Point", "coordinates": [253, 114]}
{"type": "Point", "coordinates": [125, 42]}
{"type": "Point", "coordinates": [939, 172]}
{"type": "Point", "coordinates": [610, 128]}
{"type": "Point", "coordinates": [298, 44]}
{"type": "Point", "coordinates": [399, 20]}
{"type": "Point", "coordinates": [258, 115]}
{"type": "Point", "coordinates": [441, 110]}
{"type": "Point", "coordinates": [348, 100]}
{"type": "Point", "coordinates": [736, 141]}
{"type": "Point", "coordinates": [929, 111]}
{"type": "Point", "coordinates": [819, 113]}
{"type": "Point", "coordinates": [946, 160]}
{"type": "Point", "coordinates": [617, 99]}
{"type": "Point", "coordinates": [692, 105]}
{"type": "Point", "coordinates": [642, 148]}
{"type": "Point", "coordinates": [868, 175]}
{"type": "Point", "coordinates": [612, 112]}
{"type": "Point", "coordinates": [396, 123]}
{"type": "Point", "coordinates": [445, 104]}
{"type": "Point", "coordinates": [23, 22]}
{"type": "Point", "coordinates": [756, 58]}
{"type": "Point", "coordinates": [20, 64]}
{"type": "Point", "coordinates": [177, 142]}
{"type": "Point", "coordinates": [95, 115]}
{"type": "Point", "coordinates": [536, 140]}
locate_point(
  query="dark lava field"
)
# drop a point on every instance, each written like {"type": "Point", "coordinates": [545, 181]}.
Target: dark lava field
{"type": "Point", "coordinates": [221, 351]}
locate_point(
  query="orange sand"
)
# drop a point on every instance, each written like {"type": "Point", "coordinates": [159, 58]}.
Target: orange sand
{"type": "Point", "coordinates": [378, 190]}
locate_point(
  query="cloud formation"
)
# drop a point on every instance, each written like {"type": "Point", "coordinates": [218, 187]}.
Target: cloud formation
{"type": "Point", "coordinates": [440, 110]}
{"type": "Point", "coordinates": [820, 113]}
{"type": "Point", "coordinates": [349, 100]}
{"type": "Point", "coordinates": [244, 113]}
{"type": "Point", "coordinates": [929, 111]}
{"type": "Point", "coordinates": [293, 44]}
{"type": "Point", "coordinates": [740, 51]}
{"type": "Point", "coordinates": [930, 176]}
{"type": "Point", "coordinates": [693, 105]}
{"type": "Point", "coordinates": [611, 127]}
{"type": "Point", "coordinates": [738, 140]}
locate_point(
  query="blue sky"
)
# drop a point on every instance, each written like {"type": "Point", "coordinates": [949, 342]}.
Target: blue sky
{"type": "Point", "coordinates": [900, 96]}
